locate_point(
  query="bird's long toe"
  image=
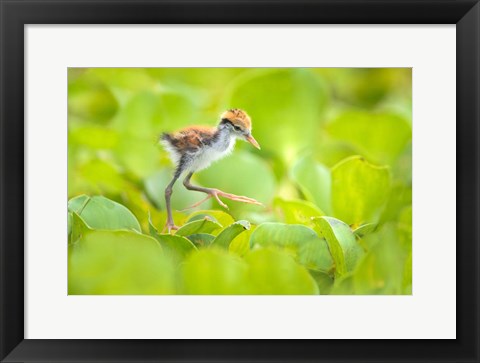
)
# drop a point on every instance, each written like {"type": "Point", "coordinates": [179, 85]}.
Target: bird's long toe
{"type": "Point", "coordinates": [239, 198]}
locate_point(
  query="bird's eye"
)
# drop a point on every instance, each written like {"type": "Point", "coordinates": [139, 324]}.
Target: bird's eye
{"type": "Point", "coordinates": [237, 128]}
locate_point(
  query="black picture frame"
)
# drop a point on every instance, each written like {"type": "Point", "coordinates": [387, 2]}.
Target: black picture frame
{"type": "Point", "coordinates": [15, 14]}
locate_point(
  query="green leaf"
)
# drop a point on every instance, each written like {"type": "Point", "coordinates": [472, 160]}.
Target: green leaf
{"type": "Point", "coordinates": [201, 226]}
{"type": "Point", "coordinates": [324, 281]}
{"type": "Point", "coordinates": [225, 237]}
{"type": "Point", "coordinates": [177, 246]}
{"type": "Point", "coordinates": [118, 263]}
{"type": "Point", "coordinates": [302, 242]}
{"type": "Point", "coordinates": [314, 181]}
{"type": "Point", "coordinates": [365, 229]}
{"type": "Point", "coordinates": [243, 174]}
{"type": "Point", "coordinates": [219, 216]}
{"type": "Point", "coordinates": [343, 286]}
{"type": "Point", "coordinates": [201, 239]}
{"type": "Point", "coordinates": [359, 190]}
{"type": "Point", "coordinates": [380, 136]}
{"type": "Point", "coordinates": [274, 273]}
{"type": "Point", "coordinates": [400, 196]}
{"type": "Point", "coordinates": [240, 245]}
{"type": "Point", "coordinates": [78, 228]}
{"type": "Point", "coordinates": [382, 268]}
{"type": "Point", "coordinates": [101, 213]}
{"type": "Point", "coordinates": [214, 272]}
{"type": "Point", "coordinates": [291, 107]}
{"type": "Point", "coordinates": [296, 211]}
{"type": "Point", "coordinates": [69, 224]}
{"type": "Point", "coordinates": [341, 242]}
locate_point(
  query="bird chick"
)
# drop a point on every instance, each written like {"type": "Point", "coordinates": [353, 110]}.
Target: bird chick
{"type": "Point", "coordinates": [194, 148]}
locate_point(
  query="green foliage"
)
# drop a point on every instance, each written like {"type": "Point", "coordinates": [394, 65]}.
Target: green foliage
{"type": "Point", "coordinates": [204, 225]}
{"type": "Point", "coordinates": [101, 213]}
{"type": "Point", "coordinates": [359, 190]}
{"type": "Point", "coordinates": [225, 237]}
{"type": "Point", "coordinates": [300, 241]}
{"type": "Point", "coordinates": [380, 137]}
{"type": "Point", "coordinates": [177, 246]}
{"type": "Point", "coordinates": [341, 242]}
{"type": "Point", "coordinates": [296, 211]}
{"type": "Point", "coordinates": [272, 272]}
{"type": "Point", "coordinates": [315, 182]}
{"type": "Point", "coordinates": [118, 262]}
{"type": "Point", "coordinates": [214, 272]}
{"type": "Point", "coordinates": [334, 175]}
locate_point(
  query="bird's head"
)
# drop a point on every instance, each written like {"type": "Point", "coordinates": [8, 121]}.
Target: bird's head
{"type": "Point", "coordinates": [239, 124]}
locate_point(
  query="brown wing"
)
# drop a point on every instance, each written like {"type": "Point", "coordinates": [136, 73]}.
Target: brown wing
{"type": "Point", "coordinates": [191, 138]}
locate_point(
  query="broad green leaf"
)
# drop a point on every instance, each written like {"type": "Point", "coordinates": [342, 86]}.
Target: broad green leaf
{"type": "Point", "coordinates": [381, 270]}
{"type": "Point", "coordinates": [286, 105]}
{"type": "Point", "coordinates": [181, 198]}
{"type": "Point", "coordinates": [219, 216]}
{"type": "Point", "coordinates": [359, 190]}
{"type": "Point", "coordinates": [296, 211]}
{"type": "Point", "coordinates": [365, 229]}
{"type": "Point", "coordinates": [379, 136]}
{"type": "Point", "coordinates": [178, 246]}
{"type": "Point", "coordinates": [78, 228]}
{"type": "Point", "coordinates": [274, 273]}
{"type": "Point", "coordinates": [118, 263]}
{"type": "Point", "coordinates": [159, 219]}
{"type": "Point", "coordinates": [214, 272]}
{"type": "Point", "coordinates": [324, 281]}
{"type": "Point", "coordinates": [302, 242]}
{"type": "Point", "coordinates": [341, 242]}
{"type": "Point", "coordinates": [69, 224]}
{"type": "Point", "coordinates": [201, 239]}
{"type": "Point", "coordinates": [226, 236]}
{"type": "Point", "coordinates": [314, 180]}
{"type": "Point", "coordinates": [240, 245]}
{"type": "Point", "coordinates": [343, 286]}
{"type": "Point", "coordinates": [400, 196]}
{"type": "Point", "coordinates": [101, 213]}
{"type": "Point", "coordinates": [201, 226]}
{"type": "Point", "coordinates": [241, 173]}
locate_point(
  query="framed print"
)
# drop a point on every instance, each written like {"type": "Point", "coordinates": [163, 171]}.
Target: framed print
{"type": "Point", "coordinates": [239, 181]}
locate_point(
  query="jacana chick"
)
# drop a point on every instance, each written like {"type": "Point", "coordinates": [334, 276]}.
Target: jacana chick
{"type": "Point", "coordinates": [194, 148]}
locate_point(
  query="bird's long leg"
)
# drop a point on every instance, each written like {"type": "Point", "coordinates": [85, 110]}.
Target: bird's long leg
{"type": "Point", "coordinates": [168, 193]}
{"type": "Point", "coordinates": [215, 193]}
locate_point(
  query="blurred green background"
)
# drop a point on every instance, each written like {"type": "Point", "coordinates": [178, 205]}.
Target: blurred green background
{"type": "Point", "coordinates": [334, 173]}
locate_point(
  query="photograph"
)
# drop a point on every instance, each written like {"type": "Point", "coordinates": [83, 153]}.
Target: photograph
{"type": "Point", "coordinates": [239, 181]}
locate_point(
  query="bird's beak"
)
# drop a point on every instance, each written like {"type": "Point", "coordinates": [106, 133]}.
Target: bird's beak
{"type": "Point", "coordinates": [252, 141]}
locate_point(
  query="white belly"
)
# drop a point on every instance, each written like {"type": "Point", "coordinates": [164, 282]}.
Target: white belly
{"type": "Point", "coordinates": [211, 154]}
